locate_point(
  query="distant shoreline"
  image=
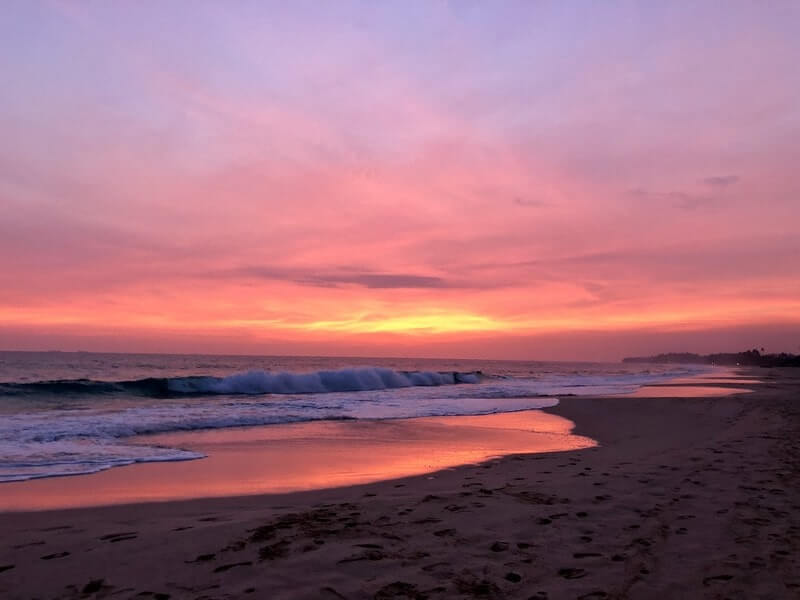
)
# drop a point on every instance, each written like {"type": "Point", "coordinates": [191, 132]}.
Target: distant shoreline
{"type": "Point", "coordinates": [748, 358]}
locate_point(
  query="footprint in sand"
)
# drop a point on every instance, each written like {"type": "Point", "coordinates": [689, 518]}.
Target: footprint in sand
{"type": "Point", "coordinates": [273, 551]}
{"type": "Point", "coordinates": [37, 543]}
{"type": "Point", "coordinates": [715, 578]}
{"type": "Point", "coordinates": [95, 585]}
{"type": "Point", "coordinates": [228, 567]}
{"type": "Point", "coordinates": [119, 537]}
{"type": "Point", "coordinates": [444, 532]}
{"type": "Point", "coordinates": [6, 567]}
{"type": "Point", "coordinates": [327, 589]}
{"type": "Point", "coordinates": [56, 528]}
{"type": "Point", "coordinates": [571, 573]}
{"type": "Point", "coordinates": [55, 555]}
{"type": "Point", "coordinates": [398, 589]}
{"type": "Point", "coordinates": [202, 558]}
{"type": "Point", "coordinates": [427, 521]}
{"type": "Point", "coordinates": [499, 547]}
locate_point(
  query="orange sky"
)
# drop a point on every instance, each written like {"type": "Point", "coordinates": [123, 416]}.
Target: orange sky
{"type": "Point", "coordinates": [430, 180]}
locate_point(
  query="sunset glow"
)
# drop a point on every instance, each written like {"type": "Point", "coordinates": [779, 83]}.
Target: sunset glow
{"type": "Point", "coordinates": [399, 180]}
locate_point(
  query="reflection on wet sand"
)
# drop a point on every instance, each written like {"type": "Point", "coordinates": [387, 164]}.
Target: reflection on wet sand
{"type": "Point", "coordinates": [303, 456]}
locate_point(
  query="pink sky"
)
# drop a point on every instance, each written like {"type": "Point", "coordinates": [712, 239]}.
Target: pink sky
{"type": "Point", "coordinates": [539, 180]}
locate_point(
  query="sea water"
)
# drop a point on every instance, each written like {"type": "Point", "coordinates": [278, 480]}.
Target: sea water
{"type": "Point", "coordinates": [75, 413]}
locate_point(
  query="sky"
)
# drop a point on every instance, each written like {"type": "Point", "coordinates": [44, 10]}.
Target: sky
{"type": "Point", "coordinates": [522, 180]}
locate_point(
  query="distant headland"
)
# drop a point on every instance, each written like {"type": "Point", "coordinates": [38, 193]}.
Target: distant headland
{"type": "Point", "coordinates": [750, 358]}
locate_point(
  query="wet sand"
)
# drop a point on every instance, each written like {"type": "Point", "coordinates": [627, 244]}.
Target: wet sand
{"type": "Point", "coordinates": [684, 498]}
{"type": "Point", "coordinates": [301, 456]}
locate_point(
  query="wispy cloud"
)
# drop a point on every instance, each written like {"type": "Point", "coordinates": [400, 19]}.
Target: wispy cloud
{"type": "Point", "coordinates": [530, 202]}
{"type": "Point", "coordinates": [348, 276]}
{"type": "Point", "coordinates": [677, 199]}
{"type": "Point", "coordinates": [721, 181]}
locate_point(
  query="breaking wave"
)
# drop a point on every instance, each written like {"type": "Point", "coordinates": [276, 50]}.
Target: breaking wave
{"type": "Point", "coordinates": [251, 382]}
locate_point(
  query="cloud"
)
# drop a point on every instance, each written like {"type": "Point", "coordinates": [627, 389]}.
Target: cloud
{"type": "Point", "coordinates": [342, 276]}
{"type": "Point", "coordinates": [528, 202]}
{"type": "Point", "coordinates": [677, 199]}
{"type": "Point", "coordinates": [721, 181]}
{"type": "Point", "coordinates": [382, 281]}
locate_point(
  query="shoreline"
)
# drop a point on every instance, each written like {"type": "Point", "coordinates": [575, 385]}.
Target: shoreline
{"type": "Point", "coordinates": [326, 454]}
{"type": "Point", "coordinates": [685, 497]}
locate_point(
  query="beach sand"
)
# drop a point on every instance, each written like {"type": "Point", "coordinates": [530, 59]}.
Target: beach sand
{"type": "Point", "coordinates": [692, 497]}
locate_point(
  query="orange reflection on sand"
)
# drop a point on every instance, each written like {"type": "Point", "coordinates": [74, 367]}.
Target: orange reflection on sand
{"type": "Point", "coordinates": [303, 456]}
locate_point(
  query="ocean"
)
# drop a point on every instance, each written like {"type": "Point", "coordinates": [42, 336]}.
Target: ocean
{"type": "Point", "coordinates": [64, 413]}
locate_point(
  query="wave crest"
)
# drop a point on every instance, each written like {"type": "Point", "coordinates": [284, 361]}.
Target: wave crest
{"type": "Point", "coordinates": [253, 382]}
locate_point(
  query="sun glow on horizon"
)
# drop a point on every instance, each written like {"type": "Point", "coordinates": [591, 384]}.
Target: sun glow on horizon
{"type": "Point", "coordinates": [437, 323]}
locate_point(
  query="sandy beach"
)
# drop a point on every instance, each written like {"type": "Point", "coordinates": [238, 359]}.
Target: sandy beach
{"type": "Point", "coordinates": [684, 497]}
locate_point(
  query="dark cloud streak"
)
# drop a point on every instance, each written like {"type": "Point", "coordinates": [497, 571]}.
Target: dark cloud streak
{"type": "Point", "coordinates": [677, 199]}
{"type": "Point", "coordinates": [529, 203]}
{"type": "Point", "coordinates": [721, 181]}
{"type": "Point", "coordinates": [339, 277]}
